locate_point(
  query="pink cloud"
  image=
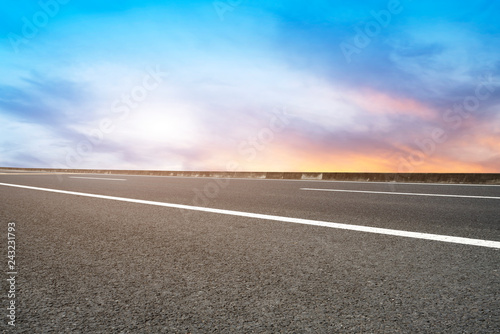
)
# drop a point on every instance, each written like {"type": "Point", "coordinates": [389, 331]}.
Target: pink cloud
{"type": "Point", "coordinates": [380, 103]}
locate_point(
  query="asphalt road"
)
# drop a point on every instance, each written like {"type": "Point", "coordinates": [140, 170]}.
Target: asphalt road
{"type": "Point", "coordinates": [87, 263]}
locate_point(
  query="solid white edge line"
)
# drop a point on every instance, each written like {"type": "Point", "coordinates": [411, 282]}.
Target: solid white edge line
{"type": "Point", "coordinates": [359, 228]}
{"type": "Point", "coordinates": [95, 178]}
{"type": "Point", "coordinates": [396, 193]}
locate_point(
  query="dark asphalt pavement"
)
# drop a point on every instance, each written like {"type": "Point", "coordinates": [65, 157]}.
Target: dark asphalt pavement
{"type": "Point", "coordinates": [91, 265]}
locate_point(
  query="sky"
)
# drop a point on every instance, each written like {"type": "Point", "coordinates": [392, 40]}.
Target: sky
{"type": "Point", "coordinates": [251, 85]}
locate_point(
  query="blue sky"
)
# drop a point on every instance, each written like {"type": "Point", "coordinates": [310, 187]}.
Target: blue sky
{"type": "Point", "coordinates": [251, 85]}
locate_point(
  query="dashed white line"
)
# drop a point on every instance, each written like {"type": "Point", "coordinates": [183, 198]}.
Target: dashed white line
{"type": "Point", "coordinates": [359, 228]}
{"type": "Point", "coordinates": [96, 178]}
{"type": "Point", "coordinates": [396, 193]}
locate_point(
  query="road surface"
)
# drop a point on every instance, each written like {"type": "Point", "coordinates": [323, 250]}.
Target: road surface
{"type": "Point", "coordinates": [138, 254]}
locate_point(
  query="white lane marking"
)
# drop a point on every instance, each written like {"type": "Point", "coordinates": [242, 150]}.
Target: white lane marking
{"type": "Point", "coordinates": [95, 178]}
{"type": "Point", "coordinates": [33, 173]}
{"type": "Point", "coordinates": [395, 193]}
{"type": "Point", "coordinates": [359, 228]}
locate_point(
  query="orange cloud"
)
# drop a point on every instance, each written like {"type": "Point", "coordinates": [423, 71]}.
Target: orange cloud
{"type": "Point", "coordinates": [472, 150]}
{"type": "Point", "coordinates": [291, 158]}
